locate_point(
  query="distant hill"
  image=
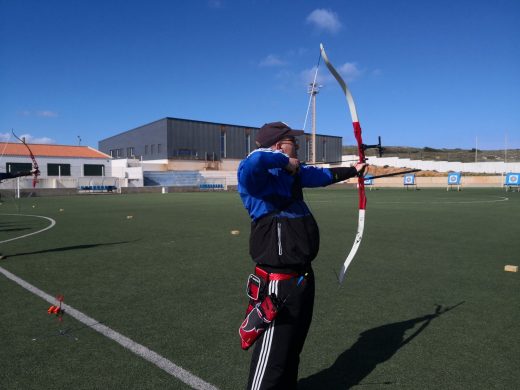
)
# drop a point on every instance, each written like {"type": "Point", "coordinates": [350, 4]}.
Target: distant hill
{"type": "Point", "coordinates": [426, 153]}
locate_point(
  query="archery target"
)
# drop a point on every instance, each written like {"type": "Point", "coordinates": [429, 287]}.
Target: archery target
{"type": "Point", "coordinates": [513, 179]}
{"type": "Point", "coordinates": [409, 179]}
{"type": "Point", "coordinates": [454, 178]}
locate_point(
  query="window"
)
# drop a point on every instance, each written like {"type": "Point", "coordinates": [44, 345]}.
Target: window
{"type": "Point", "coordinates": [58, 169]}
{"type": "Point", "coordinates": [129, 152]}
{"type": "Point", "coordinates": [324, 151]}
{"type": "Point", "coordinates": [93, 170]}
{"type": "Point", "coordinates": [152, 148]}
{"type": "Point", "coordinates": [18, 167]}
{"type": "Point", "coordinates": [223, 144]}
{"type": "Point", "coordinates": [158, 148]}
{"type": "Point", "coordinates": [248, 143]}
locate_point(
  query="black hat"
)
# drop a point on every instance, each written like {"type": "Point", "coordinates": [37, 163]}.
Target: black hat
{"type": "Point", "coordinates": [271, 133]}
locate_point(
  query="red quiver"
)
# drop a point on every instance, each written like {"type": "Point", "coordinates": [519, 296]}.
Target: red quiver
{"type": "Point", "coordinates": [54, 310]}
{"type": "Point", "coordinates": [257, 320]}
{"type": "Point", "coordinates": [57, 311]}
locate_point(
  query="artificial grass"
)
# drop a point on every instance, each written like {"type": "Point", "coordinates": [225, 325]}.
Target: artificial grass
{"type": "Point", "coordinates": [172, 278]}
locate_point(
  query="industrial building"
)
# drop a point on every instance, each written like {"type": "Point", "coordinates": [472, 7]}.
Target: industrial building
{"type": "Point", "coordinates": [173, 142]}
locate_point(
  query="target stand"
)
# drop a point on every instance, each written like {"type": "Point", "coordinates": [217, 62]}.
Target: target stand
{"type": "Point", "coordinates": [454, 181]}
{"type": "Point", "coordinates": [409, 182]}
{"type": "Point", "coordinates": [512, 182]}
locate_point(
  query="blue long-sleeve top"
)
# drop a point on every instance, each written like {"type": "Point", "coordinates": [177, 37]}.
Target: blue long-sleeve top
{"type": "Point", "coordinates": [265, 187]}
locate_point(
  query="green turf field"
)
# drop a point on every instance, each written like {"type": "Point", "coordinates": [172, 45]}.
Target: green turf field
{"type": "Point", "coordinates": [172, 278]}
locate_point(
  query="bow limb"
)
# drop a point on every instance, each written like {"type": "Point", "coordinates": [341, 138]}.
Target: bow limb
{"type": "Point", "coordinates": [34, 162]}
{"type": "Point", "coordinates": [362, 159]}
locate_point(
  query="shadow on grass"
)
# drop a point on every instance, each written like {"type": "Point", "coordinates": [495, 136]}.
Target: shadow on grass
{"type": "Point", "coordinates": [11, 227]}
{"type": "Point", "coordinates": [68, 248]}
{"type": "Point", "coordinates": [374, 346]}
{"type": "Point", "coordinates": [14, 229]}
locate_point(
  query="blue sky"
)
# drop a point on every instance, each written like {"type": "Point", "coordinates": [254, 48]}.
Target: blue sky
{"type": "Point", "coordinates": [443, 73]}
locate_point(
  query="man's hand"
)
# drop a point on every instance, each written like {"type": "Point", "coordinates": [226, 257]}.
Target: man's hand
{"type": "Point", "coordinates": [361, 168]}
{"type": "Point", "coordinates": [293, 166]}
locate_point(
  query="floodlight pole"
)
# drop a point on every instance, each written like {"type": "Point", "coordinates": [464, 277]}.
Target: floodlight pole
{"type": "Point", "coordinates": [313, 90]}
{"type": "Point", "coordinates": [476, 147]}
{"type": "Point", "coordinates": [505, 149]}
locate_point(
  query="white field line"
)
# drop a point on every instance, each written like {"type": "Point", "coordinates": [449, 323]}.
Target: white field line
{"type": "Point", "coordinates": [138, 349]}
{"type": "Point", "coordinates": [53, 222]}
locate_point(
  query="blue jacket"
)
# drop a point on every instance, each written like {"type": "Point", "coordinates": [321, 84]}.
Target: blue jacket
{"type": "Point", "coordinates": [265, 187]}
{"type": "Point", "coordinates": [284, 233]}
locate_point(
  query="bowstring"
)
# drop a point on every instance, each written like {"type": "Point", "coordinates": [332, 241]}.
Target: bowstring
{"type": "Point", "coordinates": [304, 190]}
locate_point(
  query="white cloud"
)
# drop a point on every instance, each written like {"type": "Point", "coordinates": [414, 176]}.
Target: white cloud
{"type": "Point", "coordinates": [324, 20]}
{"type": "Point", "coordinates": [350, 71]}
{"type": "Point", "coordinates": [271, 60]}
{"type": "Point", "coordinates": [47, 114]}
{"type": "Point", "coordinates": [36, 140]}
{"type": "Point", "coordinates": [323, 77]}
{"type": "Point", "coordinates": [8, 137]}
{"type": "Point", "coordinates": [41, 113]}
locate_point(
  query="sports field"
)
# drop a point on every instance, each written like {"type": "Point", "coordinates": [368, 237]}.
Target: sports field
{"type": "Point", "coordinates": [426, 303]}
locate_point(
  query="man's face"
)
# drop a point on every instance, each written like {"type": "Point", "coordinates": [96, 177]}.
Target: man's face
{"type": "Point", "coordinates": [289, 146]}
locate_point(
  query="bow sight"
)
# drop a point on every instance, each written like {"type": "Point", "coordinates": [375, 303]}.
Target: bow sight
{"type": "Point", "coordinates": [377, 146]}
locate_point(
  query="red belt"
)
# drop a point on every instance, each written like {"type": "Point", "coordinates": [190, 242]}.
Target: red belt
{"type": "Point", "coordinates": [267, 276]}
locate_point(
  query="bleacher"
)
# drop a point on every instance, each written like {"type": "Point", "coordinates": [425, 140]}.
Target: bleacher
{"type": "Point", "coordinates": [173, 178]}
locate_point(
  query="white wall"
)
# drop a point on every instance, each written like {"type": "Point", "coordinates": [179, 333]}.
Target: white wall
{"type": "Point", "coordinates": [46, 181]}
{"type": "Point", "coordinates": [441, 166]}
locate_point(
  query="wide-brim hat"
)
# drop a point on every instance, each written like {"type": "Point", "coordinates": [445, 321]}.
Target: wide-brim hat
{"type": "Point", "coordinates": [271, 133]}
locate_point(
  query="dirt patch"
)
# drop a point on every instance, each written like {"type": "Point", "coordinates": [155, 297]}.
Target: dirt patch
{"type": "Point", "coordinates": [375, 170]}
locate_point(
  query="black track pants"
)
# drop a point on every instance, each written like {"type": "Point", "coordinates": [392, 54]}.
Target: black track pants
{"type": "Point", "coordinates": [276, 356]}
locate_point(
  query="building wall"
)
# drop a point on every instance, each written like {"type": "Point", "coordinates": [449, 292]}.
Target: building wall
{"type": "Point", "coordinates": [183, 139]}
{"type": "Point", "coordinates": [149, 142]}
{"type": "Point", "coordinates": [76, 164]}
{"type": "Point", "coordinates": [76, 177]}
{"type": "Point", "coordinates": [209, 141]}
{"type": "Point", "coordinates": [328, 148]}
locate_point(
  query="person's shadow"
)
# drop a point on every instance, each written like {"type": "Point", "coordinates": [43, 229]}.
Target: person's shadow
{"type": "Point", "coordinates": [373, 347]}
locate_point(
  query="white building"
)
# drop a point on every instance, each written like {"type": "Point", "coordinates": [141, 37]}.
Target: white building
{"type": "Point", "coordinates": [60, 166]}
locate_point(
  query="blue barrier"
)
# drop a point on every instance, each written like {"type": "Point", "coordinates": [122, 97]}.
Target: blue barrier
{"type": "Point", "coordinates": [98, 188]}
{"type": "Point", "coordinates": [211, 186]}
